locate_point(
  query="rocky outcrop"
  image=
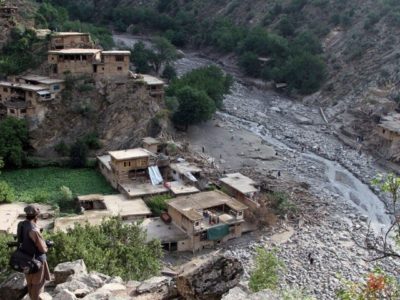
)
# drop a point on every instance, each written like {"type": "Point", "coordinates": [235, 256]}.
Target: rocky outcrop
{"type": "Point", "coordinates": [64, 270]}
{"type": "Point", "coordinates": [14, 288]}
{"type": "Point", "coordinates": [209, 279]}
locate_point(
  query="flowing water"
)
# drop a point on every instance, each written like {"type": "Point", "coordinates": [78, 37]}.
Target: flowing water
{"type": "Point", "coordinates": [335, 177]}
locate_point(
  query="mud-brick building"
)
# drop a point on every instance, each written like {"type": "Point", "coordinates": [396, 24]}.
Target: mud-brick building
{"type": "Point", "coordinates": [54, 85]}
{"type": "Point", "coordinates": [8, 11]}
{"type": "Point", "coordinates": [208, 218]}
{"type": "Point", "coordinates": [121, 166]}
{"type": "Point", "coordinates": [70, 40]}
{"type": "Point", "coordinates": [242, 188]}
{"type": "Point", "coordinates": [154, 85]}
{"type": "Point", "coordinates": [93, 62]}
{"type": "Point", "coordinates": [20, 99]}
{"type": "Point", "coordinates": [389, 128]}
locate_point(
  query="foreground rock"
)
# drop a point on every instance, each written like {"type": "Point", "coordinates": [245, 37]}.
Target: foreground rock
{"type": "Point", "coordinates": [64, 270]}
{"type": "Point", "coordinates": [14, 287]}
{"type": "Point", "coordinates": [209, 279]}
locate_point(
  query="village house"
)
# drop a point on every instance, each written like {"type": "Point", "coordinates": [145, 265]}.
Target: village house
{"type": "Point", "coordinates": [389, 128]}
{"type": "Point", "coordinates": [242, 188]}
{"type": "Point", "coordinates": [20, 100]}
{"type": "Point", "coordinates": [95, 208]}
{"type": "Point", "coordinates": [93, 62]}
{"type": "Point", "coordinates": [133, 172]}
{"type": "Point", "coordinates": [70, 40]}
{"type": "Point", "coordinates": [8, 11]}
{"type": "Point", "coordinates": [154, 86]}
{"type": "Point", "coordinates": [55, 86]}
{"type": "Point", "coordinates": [208, 218]}
{"type": "Point", "coordinates": [151, 144]}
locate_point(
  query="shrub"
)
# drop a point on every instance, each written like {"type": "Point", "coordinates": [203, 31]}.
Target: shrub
{"type": "Point", "coordinates": [6, 192]}
{"type": "Point", "coordinates": [158, 204]}
{"type": "Point", "coordinates": [265, 274]}
{"type": "Point", "coordinates": [113, 248]}
{"type": "Point", "coordinates": [282, 203]}
{"type": "Point", "coordinates": [5, 253]}
{"type": "Point", "coordinates": [92, 141]}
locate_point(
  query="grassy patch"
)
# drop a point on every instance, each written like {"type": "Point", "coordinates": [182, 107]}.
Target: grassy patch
{"type": "Point", "coordinates": [43, 184]}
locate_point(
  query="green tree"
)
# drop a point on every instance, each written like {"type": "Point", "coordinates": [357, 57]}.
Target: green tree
{"type": "Point", "coordinates": [13, 142]}
{"type": "Point", "coordinates": [194, 107]}
{"type": "Point", "coordinates": [265, 274]}
{"type": "Point", "coordinates": [158, 204]}
{"type": "Point", "coordinates": [286, 26]}
{"type": "Point", "coordinates": [164, 53]}
{"type": "Point", "coordinates": [79, 154]}
{"type": "Point", "coordinates": [169, 73]}
{"type": "Point", "coordinates": [141, 58]}
{"type": "Point", "coordinates": [304, 72]}
{"type": "Point", "coordinates": [250, 64]}
{"type": "Point", "coordinates": [211, 80]}
{"type": "Point", "coordinates": [5, 253]}
{"type": "Point", "coordinates": [113, 248]}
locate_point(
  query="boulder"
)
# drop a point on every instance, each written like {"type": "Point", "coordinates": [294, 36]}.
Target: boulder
{"type": "Point", "coordinates": [65, 295]}
{"type": "Point", "coordinates": [14, 287]}
{"type": "Point", "coordinates": [239, 294]}
{"type": "Point", "coordinates": [159, 287]}
{"type": "Point", "coordinates": [72, 286]}
{"type": "Point", "coordinates": [92, 280]}
{"type": "Point", "coordinates": [99, 295]}
{"type": "Point", "coordinates": [64, 270]}
{"type": "Point", "coordinates": [210, 278]}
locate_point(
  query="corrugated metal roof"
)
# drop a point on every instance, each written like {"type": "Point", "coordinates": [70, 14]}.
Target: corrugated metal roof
{"type": "Point", "coordinates": [155, 175]}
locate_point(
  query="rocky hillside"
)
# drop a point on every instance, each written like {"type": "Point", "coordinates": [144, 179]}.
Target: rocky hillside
{"type": "Point", "coordinates": [119, 114]}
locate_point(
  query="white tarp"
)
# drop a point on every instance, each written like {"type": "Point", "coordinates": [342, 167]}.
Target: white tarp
{"type": "Point", "coordinates": [155, 175]}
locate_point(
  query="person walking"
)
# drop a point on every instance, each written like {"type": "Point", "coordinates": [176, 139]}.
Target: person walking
{"type": "Point", "coordinates": [32, 243]}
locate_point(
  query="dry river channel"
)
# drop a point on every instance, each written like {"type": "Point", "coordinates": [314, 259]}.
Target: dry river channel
{"type": "Point", "coordinates": [307, 150]}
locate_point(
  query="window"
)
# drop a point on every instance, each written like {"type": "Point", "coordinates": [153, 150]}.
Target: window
{"type": "Point", "coordinates": [197, 223]}
{"type": "Point", "coordinates": [12, 111]}
{"type": "Point", "coordinates": [125, 164]}
{"type": "Point", "coordinates": [119, 58]}
{"type": "Point", "coordinates": [30, 94]}
{"type": "Point", "coordinates": [56, 87]}
{"type": "Point", "coordinates": [23, 111]}
{"type": "Point", "coordinates": [5, 89]}
{"type": "Point", "coordinates": [383, 130]}
{"type": "Point", "coordinates": [119, 68]}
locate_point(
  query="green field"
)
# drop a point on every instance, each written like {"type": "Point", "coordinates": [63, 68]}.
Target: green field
{"type": "Point", "coordinates": [43, 184]}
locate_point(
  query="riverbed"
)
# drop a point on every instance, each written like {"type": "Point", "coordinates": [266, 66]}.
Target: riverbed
{"type": "Point", "coordinates": [268, 132]}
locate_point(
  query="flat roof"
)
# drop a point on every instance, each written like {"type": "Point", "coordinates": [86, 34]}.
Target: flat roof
{"type": "Point", "coordinates": [129, 154]}
{"type": "Point", "coordinates": [120, 205]}
{"type": "Point", "coordinates": [191, 204]}
{"type": "Point", "coordinates": [92, 217]}
{"type": "Point", "coordinates": [105, 160]}
{"type": "Point", "coordinates": [23, 86]}
{"type": "Point", "coordinates": [178, 188]}
{"type": "Point", "coordinates": [185, 167]}
{"type": "Point", "coordinates": [75, 51]}
{"type": "Point", "coordinates": [151, 80]}
{"type": "Point", "coordinates": [166, 233]}
{"type": "Point", "coordinates": [91, 197]}
{"type": "Point", "coordinates": [11, 214]}
{"type": "Point", "coordinates": [66, 33]}
{"type": "Point", "coordinates": [391, 122]}
{"type": "Point", "coordinates": [40, 79]}
{"type": "Point", "coordinates": [116, 52]}
{"type": "Point", "coordinates": [136, 190]}
{"type": "Point", "coordinates": [151, 141]}
{"type": "Point", "coordinates": [240, 183]}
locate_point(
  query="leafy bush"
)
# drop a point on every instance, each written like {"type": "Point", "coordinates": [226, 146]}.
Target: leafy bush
{"type": "Point", "coordinates": [265, 275]}
{"type": "Point", "coordinates": [92, 141]}
{"type": "Point", "coordinates": [281, 203]}
{"type": "Point", "coordinates": [62, 148]}
{"type": "Point", "coordinates": [113, 248]}
{"type": "Point", "coordinates": [6, 192]}
{"type": "Point", "coordinates": [158, 204]}
{"type": "Point", "coordinates": [5, 253]}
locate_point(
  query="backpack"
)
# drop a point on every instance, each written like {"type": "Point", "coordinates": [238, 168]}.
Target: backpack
{"type": "Point", "coordinates": [24, 263]}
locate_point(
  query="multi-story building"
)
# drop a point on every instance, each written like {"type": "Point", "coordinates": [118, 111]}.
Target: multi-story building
{"type": "Point", "coordinates": [93, 62]}
{"type": "Point", "coordinates": [70, 40]}
{"type": "Point", "coordinates": [208, 218]}
{"type": "Point", "coordinates": [154, 85]}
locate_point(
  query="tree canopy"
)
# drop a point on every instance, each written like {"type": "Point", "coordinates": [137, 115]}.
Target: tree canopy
{"type": "Point", "coordinates": [13, 142]}
{"type": "Point", "coordinates": [113, 248]}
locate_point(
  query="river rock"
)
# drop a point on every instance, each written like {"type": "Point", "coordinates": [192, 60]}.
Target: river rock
{"type": "Point", "coordinates": [210, 278]}
{"type": "Point", "coordinates": [161, 287]}
{"type": "Point", "coordinates": [64, 270]}
{"type": "Point", "coordinates": [65, 295]}
{"type": "Point", "coordinates": [14, 287]}
{"type": "Point", "coordinates": [239, 294]}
